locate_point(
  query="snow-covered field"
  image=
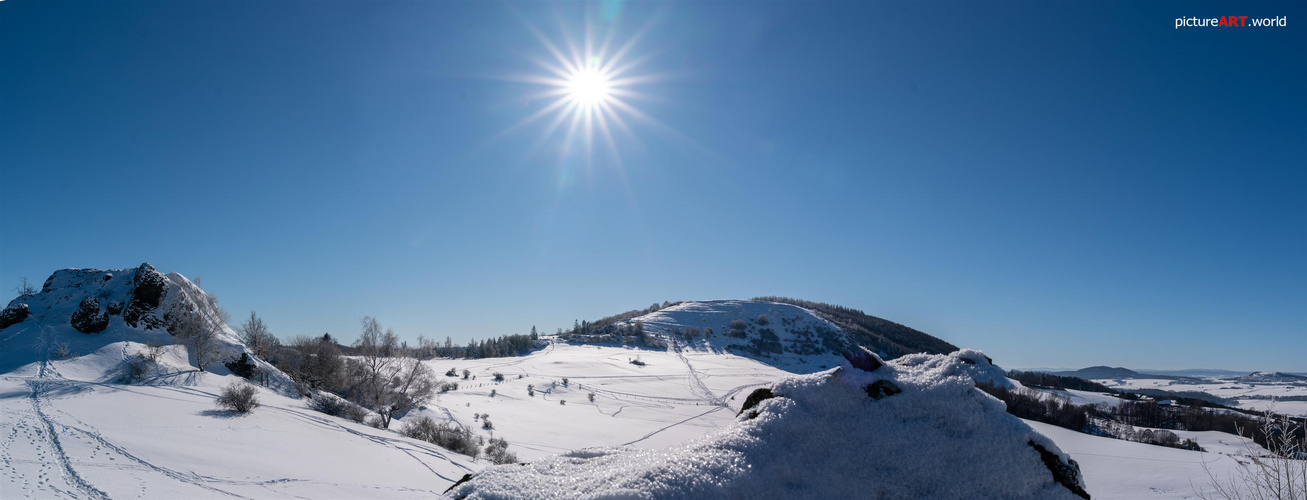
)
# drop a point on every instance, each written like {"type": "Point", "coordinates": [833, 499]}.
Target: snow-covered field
{"type": "Point", "coordinates": [66, 437]}
{"type": "Point", "coordinates": [1116, 469]}
{"type": "Point", "coordinates": [71, 437]}
{"type": "Point", "coordinates": [1240, 391]}
{"type": "Point", "coordinates": [71, 429]}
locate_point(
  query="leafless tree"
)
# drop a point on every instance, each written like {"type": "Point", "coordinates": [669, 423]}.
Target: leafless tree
{"type": "Point", "coordinates": [254, 332]}
{"type": "Point", "coordinates": [1278, 475]}
{"type": "Point", "coordinates": [384, 383]}
{"type": "Point", "coordinates": [187, 320]}
{"type": "Point", "coordinates": [25, 288]}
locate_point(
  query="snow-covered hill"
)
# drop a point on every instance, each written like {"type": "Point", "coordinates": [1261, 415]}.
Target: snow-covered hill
{"type": "Point", "coordinates": [81, 311]}
{"type": "Point", "coordinates": [781, 335]}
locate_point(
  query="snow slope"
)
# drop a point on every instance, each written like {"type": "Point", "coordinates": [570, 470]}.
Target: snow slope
{"type": "Point", "coordinates": [790, 337]}
{"type": "Point", "coordinates": [833, 434]}
{"type": "Point", "coordinates": [69, 429]}
{"type": "Point", "coordinates": [1124, 470]}
{"type": "Point", "coordinates": [69, 438]}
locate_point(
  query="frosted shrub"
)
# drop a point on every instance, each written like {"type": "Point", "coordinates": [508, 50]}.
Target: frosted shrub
{"type": "Point", "coordinates": [499, 377]}
{"type": "Point", "coordinates": [153, 351]}
{"type": "Point", "coordinates": [497, 452]}
{"type": "Point", "coordinates": [239, 397]}
{"type": "Point", "coordinates": [1280, 475]}
{"type": "Point", "coordinates": [444, 436]}
{"type": "Point", "coordinates": [338, 407]}
{"type": "Point", "coordinates": [59, 350]}
{"type": "Point", "coordinates": [591, 396]}
{"type": "Point", "coordinates": [136, 368]}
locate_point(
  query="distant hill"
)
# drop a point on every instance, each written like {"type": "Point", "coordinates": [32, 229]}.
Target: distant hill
{"type": "Point", "coordinates": [880, 335]}
{"type": "Point", "coordinates": [794, 334]}
{"type": "Point", "coordinates": [1271, 378]}
{"type": "Point", "coordinates": [1101, 372]}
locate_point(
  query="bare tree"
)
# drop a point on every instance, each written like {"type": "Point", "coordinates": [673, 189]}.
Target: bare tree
{"type": "Point", "coordinates": [1278, 475]}
{"type": "Point", "coordinates": [187, 320]}
{"type": "Point", "coordinates": [25, 288]}
{"type": "Point", "coordinates": [314, 361]}
{"type": "Point", "coordinates": [384, 383]}
{"type": "Point", "coordinates": [256, 336]}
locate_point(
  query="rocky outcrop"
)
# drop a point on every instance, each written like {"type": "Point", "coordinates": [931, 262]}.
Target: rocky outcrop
{"type": "Point", "coordinates": [1065, 473]}
{"type": "Point", "coordinates": [13, 315]}
{"type": "Point", "coordinates": [88, 318]}
{"type": "Point", "coordinates": [755, 397]}
{"type": "Point", "coordinates": [148, 289]}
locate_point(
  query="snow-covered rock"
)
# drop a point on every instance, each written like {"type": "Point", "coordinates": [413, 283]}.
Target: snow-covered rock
{"type": "Point", "coordinates": [915, 427]}
{"type": "Point", "coordinates": [83, 311]}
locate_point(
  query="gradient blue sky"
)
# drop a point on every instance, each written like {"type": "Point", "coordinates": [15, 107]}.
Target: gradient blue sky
{"type": "Point", "coordinates": [1056, 183]}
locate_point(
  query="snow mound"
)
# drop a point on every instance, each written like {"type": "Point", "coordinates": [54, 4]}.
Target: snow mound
{"type": "Point", "coordinates": [912, 428]}
{"type": "Point", "coordinates": [106, 316]}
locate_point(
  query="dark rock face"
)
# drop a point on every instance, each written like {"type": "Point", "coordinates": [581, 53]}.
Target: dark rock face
{"type": "Point", "coordinates": [1065, 474]}
{"type": "Point", "coordinates": [13, 315]}
{"type": "Point", "coordinates": [755, 397]}
{"type": "Point", "coordinates": [115, 307]}
{"type": "Point", "coordinates": [88, 318]}
{"type": "Point", "coordinates": [882, 388]}
{"type": "Point", "coordinates": [863, 359]}
{"type": "Point", "coordinates": [242, 367]}
{"type": "Point", "coordinates": [147, 293]}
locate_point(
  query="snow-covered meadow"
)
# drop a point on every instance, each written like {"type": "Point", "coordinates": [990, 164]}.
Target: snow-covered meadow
{"type": "Point", "coordinates": [73, 427]}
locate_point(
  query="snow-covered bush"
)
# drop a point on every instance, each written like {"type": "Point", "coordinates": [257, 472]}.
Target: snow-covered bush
{"type": "Point", "coordinates": [239, 397]}
{"type": "Point", "coordinates": [60, 350]}
{"type": "Point", "coordinates": [459, 440]}
{"type": "Point", "coordinates": [136, 368]}
{"type": "Point", "coordinates": [336, 406]}
{"type": "Point", "coordinates": [499, 377]}
{"type": "Point", "coordinates": [497, 452]}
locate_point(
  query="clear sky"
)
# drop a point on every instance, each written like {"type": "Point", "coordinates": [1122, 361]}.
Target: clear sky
{"type": "Point", "coordinates": [1056, 183]}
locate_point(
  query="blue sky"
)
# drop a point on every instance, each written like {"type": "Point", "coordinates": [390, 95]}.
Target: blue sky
{"type": "Point", "coordinates": [1058, 184]}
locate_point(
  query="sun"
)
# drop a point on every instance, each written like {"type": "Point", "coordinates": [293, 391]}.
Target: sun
{"type": "Point", "coordinates": [588, 87]}
{"type": "Point", "coordinates": [588, 95]}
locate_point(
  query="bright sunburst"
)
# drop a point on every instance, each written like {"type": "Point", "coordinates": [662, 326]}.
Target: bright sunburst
{"type": "Point", "coordinates": [589, 89]}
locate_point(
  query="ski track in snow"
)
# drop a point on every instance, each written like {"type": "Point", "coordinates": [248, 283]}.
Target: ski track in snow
{"type": "Point", "coordinates": [51, 435]}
